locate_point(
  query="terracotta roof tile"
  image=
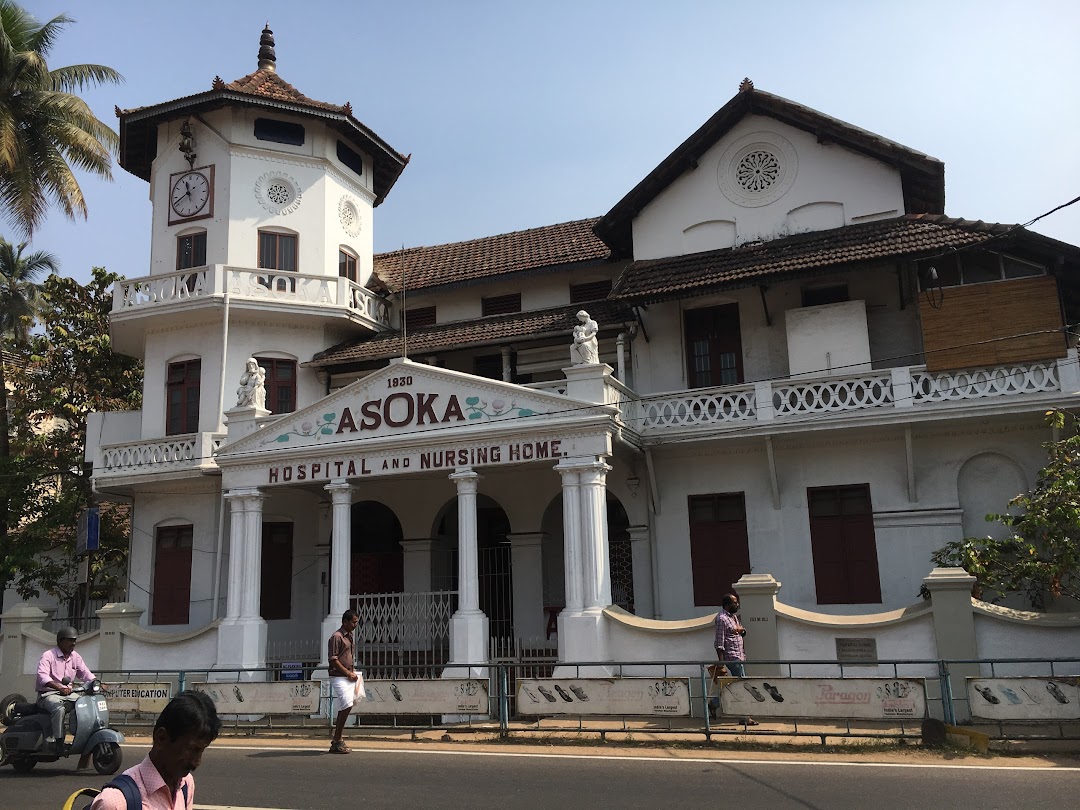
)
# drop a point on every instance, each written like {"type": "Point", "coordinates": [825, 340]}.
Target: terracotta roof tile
{"type": "Point", "coordinates": [461, 262]}
{"type": "Point", "coordinates": [268, 84]}
{"type": "Point", "coordinates": [907, 237]}
{"type": "Point", "coordinates": [609, 315]}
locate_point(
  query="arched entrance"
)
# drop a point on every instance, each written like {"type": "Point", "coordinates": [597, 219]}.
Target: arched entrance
{"type": "Point", "coordinates": [493, 561]}
{"type": "Point", "coordinates": [377, 564]}
{"type": "Point", "coordinates": [620, 555]}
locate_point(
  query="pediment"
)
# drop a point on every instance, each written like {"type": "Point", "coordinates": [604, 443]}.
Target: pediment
{"type": "Point", "coordinates": [406, 399]}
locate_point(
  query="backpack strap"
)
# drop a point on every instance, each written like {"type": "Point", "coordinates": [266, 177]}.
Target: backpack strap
{"type": "Point", "coordinates": [126, 785]}
{"type": "Point", "coordinates": [187, 799]}
{"type": "Point", "coordinates": [86, 793]}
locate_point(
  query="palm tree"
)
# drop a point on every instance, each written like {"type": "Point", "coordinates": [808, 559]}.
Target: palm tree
{"type": "Point", "coordinates": [46, 130]}
{"type": "Point", "coordinates": [19, 296]}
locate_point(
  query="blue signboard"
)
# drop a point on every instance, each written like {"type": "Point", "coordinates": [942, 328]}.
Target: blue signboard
{"type": "Point", "coordinates": [89, 535]}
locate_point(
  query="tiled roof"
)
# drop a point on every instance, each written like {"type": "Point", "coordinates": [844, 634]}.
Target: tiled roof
{"type": "Point", "coordinates": [268, 84]}
{"type": "Point", "coordinates": [498, 329]}
{"type": "Point", "coordinates": [902, 238]}
{"type": "Point", "coordinates": [922, 177]}
{"type": "Point", "coordinates": [461, 262]}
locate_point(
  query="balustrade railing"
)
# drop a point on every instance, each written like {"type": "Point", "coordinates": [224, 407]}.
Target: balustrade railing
{"type": "Point", "coordinates": [131, 295]}
{"type": "Point", "coordinates": [189, 450]}
{"type": "Point", "coordinates": [903, 387]}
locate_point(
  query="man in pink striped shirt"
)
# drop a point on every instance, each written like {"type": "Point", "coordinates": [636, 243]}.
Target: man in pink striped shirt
{"type": "Point", "coordinates": [186, 726]}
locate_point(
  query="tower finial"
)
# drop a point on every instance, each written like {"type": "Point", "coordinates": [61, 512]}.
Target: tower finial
{"type": "Point", "coordinates": [267, 57]}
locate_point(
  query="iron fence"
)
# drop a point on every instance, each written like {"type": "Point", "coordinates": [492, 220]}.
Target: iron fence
{"type": "Point", "coordinates": [943, 681]}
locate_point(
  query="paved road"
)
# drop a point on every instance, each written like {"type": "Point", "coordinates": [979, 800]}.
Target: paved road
{"type": "Point", "coordinates": [305, 778]}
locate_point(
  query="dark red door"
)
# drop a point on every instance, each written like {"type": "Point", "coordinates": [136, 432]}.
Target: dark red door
{"type": "Point", "coordinates": [719, 545]}
{"type": "Point", "coordinates": [843, 544]}
{"type": "Point", "coordinates": [172, 575]}
{"type": "Point", "coordinates": [713, 346]}
{"type": "Point", "coordinates": [277, 561]}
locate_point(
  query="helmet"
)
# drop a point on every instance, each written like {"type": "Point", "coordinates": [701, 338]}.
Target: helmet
{"type": "Point", "coordinates": [67, 632]}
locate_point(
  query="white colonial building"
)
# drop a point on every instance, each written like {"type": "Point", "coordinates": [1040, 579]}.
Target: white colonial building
{"type": "Point", "coordinates": [806, 370]}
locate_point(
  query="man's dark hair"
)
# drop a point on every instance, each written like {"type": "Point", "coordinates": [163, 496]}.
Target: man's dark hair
{"type": "Point", "coordinates": [729, 599]}
{"type": "Point", "coordinates": [348, 615]}
{"type": "Point", "coordinates": [190, 713]}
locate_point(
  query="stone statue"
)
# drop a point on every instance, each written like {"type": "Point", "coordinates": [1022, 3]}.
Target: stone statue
{"type": "Point", "coordinates": [252, 390]}
{"type": "Point", "coordinates": [584, 349]}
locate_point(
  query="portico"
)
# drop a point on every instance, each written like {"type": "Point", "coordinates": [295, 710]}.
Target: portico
{"type": "Point", "coordinates": [478, 435]}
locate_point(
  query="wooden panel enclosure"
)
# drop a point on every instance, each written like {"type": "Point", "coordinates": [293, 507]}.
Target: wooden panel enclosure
{"type": "Point", "coordinates": [988, 316]}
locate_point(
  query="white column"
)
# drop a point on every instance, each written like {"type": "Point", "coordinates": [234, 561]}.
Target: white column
{"type": "Point", "coordinates": [242, 634]}
{"type": "Point", "coordinates": [571, 489]}
{"type": "Point", "coordinates": [234, 597]}
{"type": "Point", "coordinates": [341, 548]}
{"type": "Point", "coordinates": [507, 367]}
{"type": "Point", "coordinates": [468, 625]}
{"type": "Point", "coordinates": [416, 564]}
{"type": "Point", "coordinates": [641, 553]}
{"type": "Point", "coordinates": [526, 561]}
{"type": "Point", "coordinates": [252, 575]}
{"type": "Point", "coordinates": [594, 537]}
{"type": "Point", "coordinates": [582, 625]}
{"type": "Point", "coordinates": [468, 572]}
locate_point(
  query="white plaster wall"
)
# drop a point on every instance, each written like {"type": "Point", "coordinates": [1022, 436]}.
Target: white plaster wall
{"type": "Point", "coordinates": [827, 173]}
{"type": "Point", "coordinates": [627, 643]}
{"type": "Point", "coordinates": [110, 427]}
{"type": "Point", "coordinates": [191, 654]}
{"type": "Point", "coordinates": [239, 159]}
{"type": "Point", "coordinates": [247, 337]}
{"type": "Point", "coordinates": [912, 639]}
{"type": "Point", "coordinates": [200, 509]}
{"type": "Point", "coordinates": [659, 363]}
{"type": "Point", "coordinates": [906, 532]}
{"type": "Point", "coordinates": [828, 339]}
{"type": "Point", "coordinates": [1000, 638]}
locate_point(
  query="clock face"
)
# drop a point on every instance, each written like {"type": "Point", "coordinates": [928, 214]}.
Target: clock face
{"type": "Point", "coordinates": [190, 194]}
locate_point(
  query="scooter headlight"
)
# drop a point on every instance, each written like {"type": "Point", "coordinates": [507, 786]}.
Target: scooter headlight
{"type": "Point", "coordinates": [94, 687]}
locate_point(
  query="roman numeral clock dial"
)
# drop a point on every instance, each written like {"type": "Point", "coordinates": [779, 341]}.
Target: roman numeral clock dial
{"type": "Point", "coordinates": [191, 195]}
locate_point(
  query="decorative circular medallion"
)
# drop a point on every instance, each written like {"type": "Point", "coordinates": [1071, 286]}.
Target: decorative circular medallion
{"type": "Point", "coordinates": [277, 193]}
{"type": "Point", "coordinates": [349, 214]}
{"type": "Point", "coordinates": [757, 169]}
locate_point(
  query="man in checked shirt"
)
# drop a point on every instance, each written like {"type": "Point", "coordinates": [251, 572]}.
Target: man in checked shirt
{"type": "Point", "coordinates": [729, 641]}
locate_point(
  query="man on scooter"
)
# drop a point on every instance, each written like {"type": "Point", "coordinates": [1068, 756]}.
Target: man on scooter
{"type": "Point", "coordinates": [57, 669]}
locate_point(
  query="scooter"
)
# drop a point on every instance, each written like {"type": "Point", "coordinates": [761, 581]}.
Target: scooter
{"type": "Point", "coordinates": [22, 744]}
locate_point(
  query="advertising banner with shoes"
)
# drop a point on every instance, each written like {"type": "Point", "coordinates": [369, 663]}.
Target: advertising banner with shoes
{"type": "Point", "coordinates": [449, 696]}
{"type": "Point", "coordinates": [279, 697]}
{"type": "Point", "coordinates": [605, 696]}
{"type": "Point", "coordinates": [837, 698]}
{"type": "Point", "coordinates": [1030, 698]}
{"type": "Point", "coordinates": [148, 698]}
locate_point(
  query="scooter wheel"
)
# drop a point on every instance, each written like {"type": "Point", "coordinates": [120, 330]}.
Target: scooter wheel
{"type": "Point", "coordinates": [7, 706]}
{"type": "Point", "coordinates": [107, 758]}
{"type": "Point", "coordinates": [23, 764]}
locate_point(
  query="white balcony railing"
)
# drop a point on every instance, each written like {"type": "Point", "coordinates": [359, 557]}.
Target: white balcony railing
{"type": "Point", "coordinates": [189, 451]}
{"type": "Point", "coordinates": [168, 289]}
{"type": "Point", "coordinates": [905, 387]}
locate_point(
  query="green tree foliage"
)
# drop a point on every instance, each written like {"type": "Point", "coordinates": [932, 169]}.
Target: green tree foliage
{"type": "Point", "coordinates": [46, 130]}
{"type": "Point", "coordinates": [1040, 560]}
{"type": "Point", "coordinates": [69, 371]}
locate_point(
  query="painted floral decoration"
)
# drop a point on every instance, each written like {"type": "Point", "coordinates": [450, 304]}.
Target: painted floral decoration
{"type": "Point", "coordinates": [318, 428]}
{"type": "Point", "coordinates": [479, 408]}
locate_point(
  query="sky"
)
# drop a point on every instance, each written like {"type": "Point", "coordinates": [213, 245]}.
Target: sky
{"type": "Point", "coordinates": [522, 114]}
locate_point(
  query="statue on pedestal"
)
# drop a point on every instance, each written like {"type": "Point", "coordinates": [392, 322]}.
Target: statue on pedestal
{"type": "Point", "coordinates": [252, 390]}
{"type": "Point", "coordinates": [584, 350]}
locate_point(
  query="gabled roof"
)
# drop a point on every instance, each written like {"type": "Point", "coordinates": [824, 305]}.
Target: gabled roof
{"type": "Point", "coordinates": [493, 330]}
{"type": "Point", "coordinates": [922, 177]}
{"type": "Point", "coordinates": [567, 243]}
{"type": "Point", "coordinates": [906, 238]}
{"type": "Point", "coordinates": [263, 88]}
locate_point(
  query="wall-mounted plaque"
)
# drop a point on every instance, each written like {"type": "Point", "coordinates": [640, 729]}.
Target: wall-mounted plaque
{"type": "Point", "coordinates": [856, 650]}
